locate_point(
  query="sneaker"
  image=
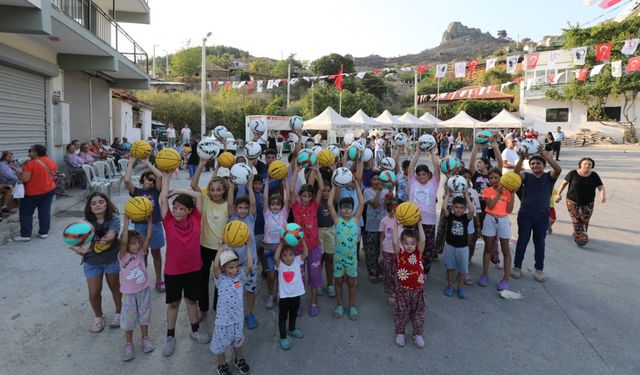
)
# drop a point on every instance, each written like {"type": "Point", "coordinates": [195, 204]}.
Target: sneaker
{"type": "Point", "coordinates": [502, 285]}
{"type": "Point", "coordinates": [296, 333]}
{"type": "Point", "coordinates": [331, 291]}
{"type": "Point", "coordinates": [115, 321]}
{"type": "Point", "coordinates": [223, 370]}
{"type": "Point", "coordinates": [127, 353]}
{"type": "Point", "coordinates": [299, 312]}
{"type": "Point", "coordinates": [400, 340]}
{"type": "Point", "coordinates": [285, 344]}
{"type": "Point", "coordinates": [242, 366]}
{"type": "Point", "coordinates": [160, 287]}
{"type": "Point", "coordinates": [271, 302]}
{"type": "Point", "coordinates": [314, 310]}
{"type": "Point", "coordinates": [538, 276]}
{"type": "Point", "coordinates": [320, 292]}
{"type": "Point", "coordinates": [251, 321]}
{"type": "Point", "coordinates": [43, 236]}
{"type": "Point", "coordinates": [21, 239]}
{"type": "Point", "coordinates": [147, 345]}
{"type": "Point", "coordinates": [468, 281]}
{"type": "Point", "coordinates": [170, 346]}
{"type": "Point", "coordinates": [448, 291]}
{"type": "Point", "coordinates": [419, 341]}
{"type": "Point", "coordinates": [201, 336]}
{"type": "Point", "coordinates": [483, 281]}
{"type": "Point", "coordinates": [97, 325]}
{"type": "Point", "coordinates": [516, 273]}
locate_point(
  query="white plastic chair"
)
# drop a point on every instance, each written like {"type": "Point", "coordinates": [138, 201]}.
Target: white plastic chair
{"type": "Point", "coordinates": [102, 173]}
{"type": "Point", "coordinates": [114, 174]}
{"type": "Point", "coordinates": [124, 163]}
{"type": "Point", "coordinates": [92, 182]}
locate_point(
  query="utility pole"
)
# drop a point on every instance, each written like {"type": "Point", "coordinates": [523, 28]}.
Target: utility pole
{"type": "Point", "coordinates": [203, 83]}
{"type": "Point", "coordinates": [153, 65]}
{"type": "Point", "coordinates": [288, 84]}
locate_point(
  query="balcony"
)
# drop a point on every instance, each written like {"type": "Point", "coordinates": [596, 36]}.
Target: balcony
{"type": "Point", "coordinates": [538, 91]}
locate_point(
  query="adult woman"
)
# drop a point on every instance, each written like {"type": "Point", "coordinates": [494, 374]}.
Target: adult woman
{"type": "Point", "coordinates": [581, 194]}
{"type": "Point", "coordinates": [73, 161]}
{"type": "Point", "coordinates": [87, 156]}
{"type": "Point", "coordinates": [460, 143]}
{"type": "Point", "coordinates": [8, 179]}
{"type": "Point", "coordinates": [37, 175]}
{"type": "Point", "coordinates": [548, 141]}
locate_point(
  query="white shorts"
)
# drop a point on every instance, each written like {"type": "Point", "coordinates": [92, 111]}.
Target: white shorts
{"type": "Point", "coordinates": [496, 226]}
{"type": "Point", "coordinates": [224, 336]}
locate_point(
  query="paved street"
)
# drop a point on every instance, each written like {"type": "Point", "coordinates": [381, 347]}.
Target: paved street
{"type": "Point", "coordinates": [582, 320]}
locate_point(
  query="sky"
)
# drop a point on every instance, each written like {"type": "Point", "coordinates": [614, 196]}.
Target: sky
{"type": "Point", "coordinates": [277, 28]}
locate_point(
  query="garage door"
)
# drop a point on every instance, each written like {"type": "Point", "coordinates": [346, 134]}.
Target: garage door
{"type": "Point", "coordinates": [22, 110]}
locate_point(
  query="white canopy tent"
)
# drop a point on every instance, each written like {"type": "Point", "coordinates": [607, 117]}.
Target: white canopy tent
{"type": "Point", "coordinates": [416, 122]}
{"type": "Point", "coordinates": [462, 120]}
{"type": "Point", "coordinates": [388, 119]}
{"type": "Point", "coordinates": [329, 119]}
{"type": "Point", "coordinates": [505, 119]}
{"type": "Point", "coordinates": [428, 117]}
{"type": "Point", "coordinates": [362, 118]}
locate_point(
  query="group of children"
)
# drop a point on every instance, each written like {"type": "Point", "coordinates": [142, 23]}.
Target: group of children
{"type": "Point", "coordinates": [192, 221]}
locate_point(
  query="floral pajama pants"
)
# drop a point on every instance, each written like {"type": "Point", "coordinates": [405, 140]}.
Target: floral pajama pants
{"type": "Point", "coordinates": [389, 271]}
{"type": "Point", "coordinates": [410, 305]}
{"type": "Point", "coordinates": [371, 242]}
{"type": "Point", "coordinates": [580, 216]}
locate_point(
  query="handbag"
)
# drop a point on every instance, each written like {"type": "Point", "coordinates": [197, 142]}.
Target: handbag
{"type": "Point", "coordinates": [18, 191]}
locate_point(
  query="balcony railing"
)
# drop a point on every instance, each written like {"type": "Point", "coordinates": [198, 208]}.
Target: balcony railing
{"type": "Point", "coordinates": [96, 20]}
{"type": "Point", "coordinates": [538, 91]}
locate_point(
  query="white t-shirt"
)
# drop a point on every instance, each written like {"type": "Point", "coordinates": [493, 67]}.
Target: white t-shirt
{"type": "Point", "coordinates": [290, 279]}
{"type": "Point", "coordinates": [379, 144]}
{"type": "Point", "coordinates": [317, 138]}
{"type": "Point", "coordinates": [510, 156]}
{"type": "Point", "coordinates": [185, 133]}
{"type": "Point", "coordinates": [171, 133]}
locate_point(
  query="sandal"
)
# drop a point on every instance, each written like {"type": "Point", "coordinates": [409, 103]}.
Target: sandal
{"type": "Point", "coordinates": [338, 312]}
{"type": "Point", "coordinates": [97, 325]}
{"type": "Point", "coordinates": [353, 313]}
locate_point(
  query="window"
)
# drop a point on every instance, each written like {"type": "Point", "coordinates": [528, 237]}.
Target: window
{"type": "Point", "coordinates": [608, 113]}
{"type": "Point", "coordinates": [558, 115]}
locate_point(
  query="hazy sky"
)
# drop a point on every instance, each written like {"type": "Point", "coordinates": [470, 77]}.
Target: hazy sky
{"type": "Point", "coordinates": [273, 28]}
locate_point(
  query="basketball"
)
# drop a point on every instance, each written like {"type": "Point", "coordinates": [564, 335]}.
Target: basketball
{"type": "Point", "coordinates": [292, 234]}
{"type": "Point", "coordinates": [208, 148]}
{"type": "Point", "coordinates": [220, 133]}
{"type": "Point", "coordinates": [388, 163]}
{"type": "Point", "coordinates": [278, 170]}
{"type": "Point", "coordinates": [168, 159]}
{"type": "Point", "coordinates": [138, 208]}
{"type": "Point", "coordinates": [401, 139]}
{"type": "Point", "coordinates": [295, 123]}
{"type": "Point", "coordinates": [388, 178]}
{"type": "Point", "coordinates": [240, 174]}
{"type": "Point", "coordinates": [258, 127]}
{"type": "Point", "coordinates": [448, 164]}
{"type": "Point", "coordinates": [354, 153]}
{"type": "Point", "coordinates": [226, 159]}
{"type": "Point", "coordinates": [342, 177]}
{"type": "Point", "coordinates": [426, 142]}
{"type": "Point", "coordinates": [335, 150]}
{"type": "Point", "coordinates": [367, 155]}
{"type": "Point", "coordinates": [141, 149]}
{"type": "Point", "coordinates": [483, 137]}
{"type": "Point", "coordinates": [77, 234]}
{"type": "Point", "coordinates": [326, 158]}
{"type": "Point", "coordinates": [253, 150]}
{"type": "Point", "coordinates": [306, 159]}
{"type": "Point", "coordinates": [511, 181]}
{"type": "Point", "coordinates": [236, 233]}
{"type": "Point", "coordinates": [457, 184]}
{"type": "Point", "coordinates": [408, 214]}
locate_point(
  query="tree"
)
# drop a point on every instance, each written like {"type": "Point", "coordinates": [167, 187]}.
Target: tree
{"type": "Point", "coordinates": [480, 109]}
{"type": "Point", "coordinates": [330, 64]}
{"type": "Point", "coordinates": [324, 96]}
{"type": "Point", "coordinates": [186, 62]}
{"type": "Point", "coordinates": [430, 86]}
{"type": "Point", "coordinates": [277, 107]}
{"type": "Point", "coordinates": [594, 92]}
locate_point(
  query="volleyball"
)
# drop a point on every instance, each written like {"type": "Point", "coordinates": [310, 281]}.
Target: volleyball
{"type": "Point", "coordinates": [335, 150]}
{"type": "Point", "coordinates": [77, 234]}
{"type": "Point", "coordinates": [483, 137]}
{"type": "Point", "coordinates": [348, 138]}
{"type": "Point", "coordinates": [511, 181]}
{"type": "Point", "coordinates": [529, 146]}
{"type": "Point", "coordinates": [253, 150]}
{"type": "Point", "coordinates": [292, 234]}
{"type": "Point", "coordinates": [295, 123]}
{"type": "Point", "coordinates": [367, 155]}
{"type": "Point", "coordinates": [426, 142]}
{"type": "Point", "coordinates": [258, 127]}
{"type": "Point", "coordinates": [220, 133]}
{"type": "Point", "coordinates": [326, 158]}
{"type": "Point", "coordinates": [240, 174]}
{"type": "Point", "coordinates": [236, 233]}
{"type": "Point", "coordinates": [141, 149]}
{"type": "Point", "coordinates": [457, 184]}
{"type": "Point", "coordinates": [359, 144]}
{"type": "Point", "coordinates": [278, 170]}
{"type": "Point", "coordinates": [354, 153]}
{"type": "Point", "coordinates": [208, 148]}
{"type": "Point", "coordinates": [388, 163]}
{"type": "Point", "coordinates": [342, 177]}
{"type": "Point", "coordinates": [401, 139]}
{"type": "Point", "coordinates": [138, 208]}
{"type": "Point", "coordinates": [448, 164]}
{"type": "Point", "coordinates": [226, 159]}
{"type": "Point", "coordinates": [316, 149]}
{"type": "Point", "coordinates": [168, 159]}
{"type": "Point", "coordinates": [306, 159]}
{"type": "Point", "coordinates": [388, 178]}
{"type": "Point", "coordinates": [407, 214]}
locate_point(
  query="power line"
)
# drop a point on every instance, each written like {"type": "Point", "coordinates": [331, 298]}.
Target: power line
{"type": "Point", "coordinates": [608, 12]}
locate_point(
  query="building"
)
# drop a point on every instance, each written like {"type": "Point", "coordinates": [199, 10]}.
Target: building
{"type": "Point", "coordinates": [131, 117]}
{"type": "Point", "coordinates": [59, 61]}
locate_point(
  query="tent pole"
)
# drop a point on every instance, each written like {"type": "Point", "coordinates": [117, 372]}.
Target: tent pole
{"type": "Point", "coordinates": [415, 94]}
{"type": "Point", "coordinates": [438, 100]}
{"type": "Point", "coordinates": [340, 105]}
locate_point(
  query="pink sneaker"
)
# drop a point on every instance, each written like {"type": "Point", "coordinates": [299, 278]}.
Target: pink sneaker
{"type": "Point", "coordinates": [419, 341]}
{"type": "Point", "coordinates": [147, 345]}
{"type": "Point", "coordinates": [115, 322]}
{"type": "Point", "coordinates": [127, 353]}
{"type": "Point", "coordinates": [97, 325]}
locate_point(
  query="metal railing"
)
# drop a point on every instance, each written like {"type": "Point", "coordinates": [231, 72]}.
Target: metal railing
{"type": "Point", "coordinates": [538, 91]}
{"type": "Point", "coordinates": [96, 20]}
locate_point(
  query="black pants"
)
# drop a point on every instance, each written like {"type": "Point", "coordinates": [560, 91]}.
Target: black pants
{"type": "Point", "coordinates": [556, 149]}
{"type": "Point", "coordinates": [287, 306]}
{"type": "Point", "coordinates": [207, 258]}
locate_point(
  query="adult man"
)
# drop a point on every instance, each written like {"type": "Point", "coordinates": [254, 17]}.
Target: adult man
{"type": "Point", "coordinates": [317, 138]}
{"type": "Point", "coordinates": [509, 155]}
{"type": "Point", "coordinates": [533, 216]}
{"type": "Point", "coordinates": [185, 133]}
{"type": "Point", "coordinates": [558, 137]}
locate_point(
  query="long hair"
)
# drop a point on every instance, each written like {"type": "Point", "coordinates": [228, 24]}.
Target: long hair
{"type": "Point", "coordinates": [108, 215]}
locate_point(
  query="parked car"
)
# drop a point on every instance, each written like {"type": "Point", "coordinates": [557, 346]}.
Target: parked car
{"type": "Point", "coordinates": [159, 131]}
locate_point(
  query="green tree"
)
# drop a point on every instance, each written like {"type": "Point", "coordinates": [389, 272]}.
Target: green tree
{"type": "Point", "coordinates": [277, 107]}
{"type": "Point", "coordinates": [330, 64]}
{"type": "Point", "coordinates": [324, 96]}
{"type": "Point", "coordinates": [261, 67]}
{"type": "Point", "coordinates": [186, 62]}
{"type": "Point", "coordinates": [430, 86]}
{"type": "Point", "coordinates": [480, 109]}
{"type": "Point", "coordinates": [595, 91]}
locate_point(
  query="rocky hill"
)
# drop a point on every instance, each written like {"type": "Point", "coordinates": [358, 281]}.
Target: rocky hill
{"type": "Point", "coordinates": [459, 42]}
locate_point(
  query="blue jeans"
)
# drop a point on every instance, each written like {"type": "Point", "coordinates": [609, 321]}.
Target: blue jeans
{"type": "Point", "coordinates": [528, 223]}
{"type": "Point", "coordinates": [192, 169]}
{"type": "Point", "coordinates": [444, 151]}
{"type": "Point", "coordinates": [459, 151]}
{"type": "Point", "coordinates": [28, 205]}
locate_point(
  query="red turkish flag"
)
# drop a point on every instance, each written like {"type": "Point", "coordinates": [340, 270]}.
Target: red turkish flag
{"type": "Point", "coordinates": [250, 85]}
{"type": "Point", "coordinates": [532, 60]}
{"type": "Point", "coordinates": [423, 68]}
{"type": "Point", "coordinates": [339, 79]}
{"type": "Point", "coordinates": [603, 52]}
{"type": "Point", "coordinates": [550, 77]}
{"type": "Point", "coordinates": [633, 64]}
{"type": "Point", "coordinates": [582, 74]}
{"type": "Point", "coordinates": [472, 66]}
{"type": "Point", "coordinates": [227, 85]}
{"type": "Point", "coordinates": [608, 3]}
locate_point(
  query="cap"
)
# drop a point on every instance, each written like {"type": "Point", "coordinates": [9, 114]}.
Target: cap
{"type": "Point", "coordinates": [223, 172]}
{"type": "Point", "coordinates": [227, 256]}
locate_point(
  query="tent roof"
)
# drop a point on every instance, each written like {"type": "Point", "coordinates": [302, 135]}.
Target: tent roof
{"type": "Point", "coordinates": [329, 119]}
{"type": "Point", "coordinates": [362, 118]}
{"type": "Point", "coordinates": [462, 120]}
{"type": "Point", "coordinates": [388, 119]}
{"type": "Point", "coordinates": [428, 117]}
{"type": "Point", "coordinates": [416, 122]}
{"type": "Point", "coordinates": [504, 119]}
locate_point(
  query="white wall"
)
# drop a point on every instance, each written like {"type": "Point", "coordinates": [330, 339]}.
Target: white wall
{"type": "Point", "coordinates": [145, 118]}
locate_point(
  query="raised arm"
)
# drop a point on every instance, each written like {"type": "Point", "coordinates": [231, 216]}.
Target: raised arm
{"type": "Point", "coordinates": [292, 185]}
{"type": "Point", "coordinates": [472, 158]}
{"type": "Point", "coordinates": [497, 153]}
{"type": "Point", "coordinates": [127, 175]}
{"type": "Point", "coordinates": [395, 241]}
{"type": "Point", "coordinates": [164, 196]}
{"type": "Point", "coordinates": [231, 207]}
{"type": "Point", "coordinates": [396, 158]}
{"type": "Point", "coordinates": [216, 264]}
{"type": "Point", "coordinates": [276, 256]}
{"type": "Point", "coordinates": [413, 163]}
{"type": "Point", "coordinates": [252, 196]}
{"type": "Point", "coordinates": [124, 236]}
{"type": "Point", "coordinates": [156, 172]}
{"type": "Point", "coordinates": [330, 203]}
{"type": "Point", "coordinates": [361, 203]}
{"type": "Point", "coordinates": [265, 198]}
{"type": "Point", "coordinates": [445, 200]}
{"type": "Point", "coordinates": [436, 164]}
{"type": "Point", "coordinates": [548, 156]}
{"type": "Point", "coordinates": [196, 195]}
{"type": "Point", "coordinates": [422, 238]}
{"type": "Point", "coordinates": [518, 167]}
{"type": "Point", "coordinates": [195, 180]}
{"type": "Point", "coordinates": [320, 184]}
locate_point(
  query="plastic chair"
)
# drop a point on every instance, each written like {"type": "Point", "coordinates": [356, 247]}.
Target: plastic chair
{"type": "Point", "coordinates": [124, 163]}
{"type": "Point", "coordinates": [102, 173]}
{"type": "Point", "coordinates": [114, 174]}
{"type": "Point", "coordinates": [92, 183]}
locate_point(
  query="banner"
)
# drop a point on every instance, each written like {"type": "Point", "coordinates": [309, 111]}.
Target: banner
{"type": "Point", "coordinates": [532, 60]}
{"type": "Point", "coordinates": [491, 63]}
{"type": "Point", "coordinates": [441, 70]}
{"type": "Point", "coordinates": [630, 46]}
{"type": "Point", "coordinates": [616, 68]}
{"type": "Point", "coordinates": [581, 74]}
{"type": "Point", "coordinates": [554, 57]}
{"type": "Point", "coordinates": [633, 64]}
{"type": "Point", "coordinates": [603, 52]}
{"type": "Point", "coordinates": [512, 61]}
{"type": "Point", "coordinates": [472, 66]}
{"type": "Point", "coordinates": [579, 55]}
{"type": "Point", "coordinates": [596, 70]}
{"type": "Point", "coordinates": [461, 69]}
{"type": "Point", "coordinates": [361, 75]}
{"type": "Point", "coordinates": [259, 87]}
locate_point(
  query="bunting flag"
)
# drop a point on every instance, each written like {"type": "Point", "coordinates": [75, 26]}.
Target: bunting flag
{"type": "Point", "coordinates": [502, 87]}
{"type": "Point", "coordinates": [530, 82]}
{"type": "Point", "coordinates": [532, 60]}
{"type": "Point", "coordinates": [423, 68]}
{"type": "Point", "coordinates": [460, 69]}
{"type": "Point", "coordinates": [512, 61]}
{"type": "Point", "coordinates": [276, 82]}
{"type": "Point", "coordinates": [557, 77]}
{"type": "Point", "coordinates": [554, 57]}
{"type": "Point", "coordinates": [441, 70]}
{"type": "Point", "coordinates": [551, 77]}
{"type": "Point", "coordinates": [361, 75]}
{"type": "Point", "coordinates": [472, 66]}
{"type": "Point", "coordinates": [294, 81]}
{"type": "Point", "coordinates": [227, 85]}
{"type": "Point", "coordinates": [633, 64]}
{"type": "Point", "coordinates": [339, 78]}
{"type": "Point", "coordinates": [589, 2]}
{"type": "Point", "coordinates": [604, 4]}
{"type": "Point", "coordinates": [616, 68]}
{"type": "Point", "coordinates": [209, 85]}
{"type": "Point", "coordinates": [579, 55]}
{"type": "Point", "coordinates": [259, 85]}
{"type": "Point", "coordinates": [596, 70]}
{"type": "Point", "coordinates": [491, 63]}
{"type": "Point", "coordinates": [630, 46]}
{"type": "Point", "coordinates": [581, 74]}
{"type": "Point", "coordinates": [603, 52]}
{"type": "Point", "coordinates": [270, 84]}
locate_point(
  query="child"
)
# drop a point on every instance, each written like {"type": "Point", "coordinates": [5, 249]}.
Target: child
{"type": "Point", "coordinates": [411, 279]}
{"type": "Point", "coordinates": [230, 276]}
{"type": "Point", "coordinates": [327, 233]}
{"type": "Point", "coordinates": [305, 213]}
{"type": "Point", "coordinates": [276, 212]}
{"type": "Point", "coordinates": [290, 288]}
{"type": "Point", "coordinates": [456, 247]}
{"type": "Point", "coordinates": [496, 223]}
{"type": "Point", "coordinates": [552, 210]}
{"type": "Point", "coordinates": [374, 196]}
{"type": "Point", "coordinates": [183, 267]}
{"type": "Point", "coordinates": [150, 185]}
{"type": "Point", "coordinates": [346, 257]}
{"type": "Point", "coordinates": [214, 218]}
{"type": "Point", "coordinates": [135, 286]}
{"type": "Point", "coordinates": [245, 210]}
{"type": "Point", "coordinates": [387, 255]}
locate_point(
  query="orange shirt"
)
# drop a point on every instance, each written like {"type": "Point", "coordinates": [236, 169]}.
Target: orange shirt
{"type": "Point", "coordinates": [41, 181]}
{"type": "Point", "coordinates": [500, 209]}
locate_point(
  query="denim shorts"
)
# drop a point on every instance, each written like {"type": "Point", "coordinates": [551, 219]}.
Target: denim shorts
{"type": "Point", "coordinates": [93, 270]}
{"type": "Point", "coordinates": [157, 234]}
{"type": "Point", "coordinates": [269, 261]}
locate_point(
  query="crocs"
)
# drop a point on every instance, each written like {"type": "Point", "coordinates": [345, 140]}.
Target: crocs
{"type": "Point", "coordinates": [251, 321]}
{"type": "Point", "coordinates": [353, 313]}
{"type": "Point", "coordinates": [285, 344]}
{"type": "Point", "coordinates": [502, 285]}
{"type": "Point", "coordinates": [462, 294]}
{"type": "Point", "coordinates": [320, 292]}
{"type": "Point", "coordinates": [127, 353]}
{"type": "Point", "coordinates": [314, 310]}
{"type": "Point", "coordinates": [483, 281]}
{"type": "Point", "coordinates": [448, 291]}
{"type": "Point", "coordinates": [516, 273]}
{"type": "Point", "coordinates": [331, 291]}
{"type": "Point", "coordinates": [115, 321]}
{"type": "Point", "coordinates": [296, 333]}
{"type": "Point", "coordinates": [97, 325]}
{"type": "Point", "coordinates": [338, 312]}
{"type": "Point", "coordinates": [147, 345]}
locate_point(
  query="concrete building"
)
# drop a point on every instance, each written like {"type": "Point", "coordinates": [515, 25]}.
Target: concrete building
{"type": "Point", "coordinates": [59, 60]}
{"type": "Point", "coordinates": [131, 117]}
